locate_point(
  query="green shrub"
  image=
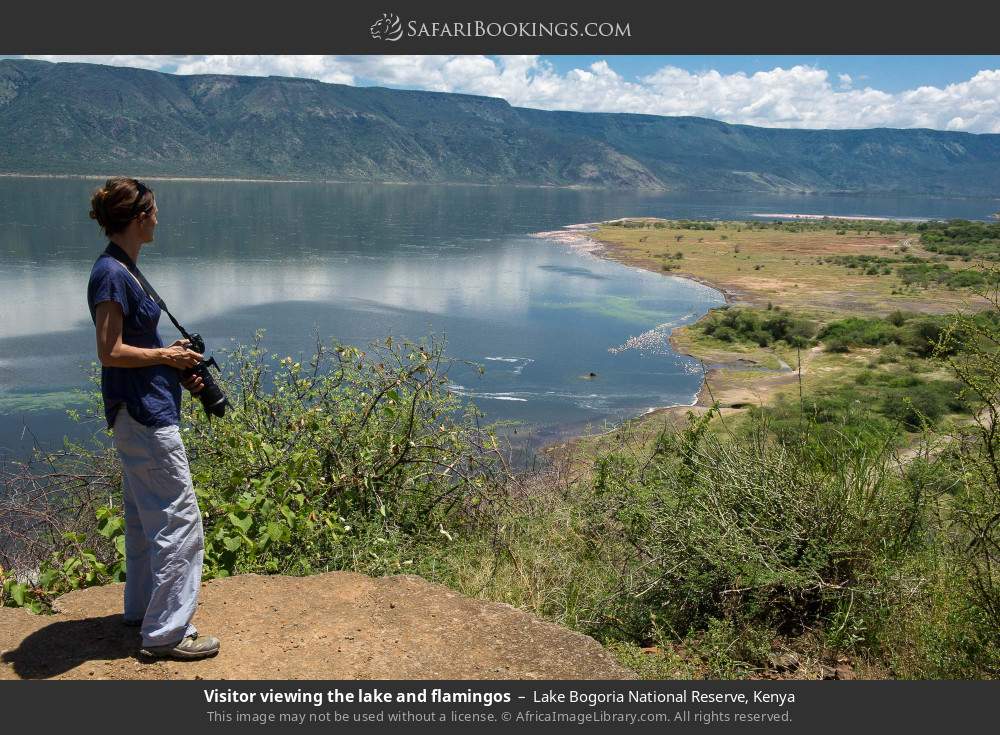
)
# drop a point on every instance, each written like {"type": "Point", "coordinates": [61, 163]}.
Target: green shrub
{"type": "Point", "coordinates": [353, 461]}
{"type": "Point", "coordinates": [761, 327]}
{"type": "Point", "coordinates": [961, 237]}
{"type": "Point", "coordinates": [841, 335]}
{"type": "Point", "coordinates": [921, 336]}
{"type": "Point", "coordinates": [975, 510]}
{"type": "Point", "coordinates": [915, 406]}
{"type": "Point", "coordinates": [710, 529]}
{"type": "Point", "coordinates": [343, 464]}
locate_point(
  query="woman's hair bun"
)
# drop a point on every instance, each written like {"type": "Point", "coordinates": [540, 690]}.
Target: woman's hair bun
{"type": "Point", "coordinates": [97, 205]}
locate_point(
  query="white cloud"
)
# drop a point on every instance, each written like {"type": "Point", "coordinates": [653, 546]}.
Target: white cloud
{"type": "Point", "coordinates": [797, 97]}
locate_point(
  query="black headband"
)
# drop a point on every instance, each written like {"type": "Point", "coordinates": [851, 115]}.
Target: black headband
{"type": "Point", "coordinates": [143, 190]}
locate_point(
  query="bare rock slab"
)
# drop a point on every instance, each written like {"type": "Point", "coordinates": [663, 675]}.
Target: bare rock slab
{"type": "Point", "coordinates": [337, 625]}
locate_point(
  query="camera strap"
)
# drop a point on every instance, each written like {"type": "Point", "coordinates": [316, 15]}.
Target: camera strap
{"type": "Point", "coordinates": [122, 257]}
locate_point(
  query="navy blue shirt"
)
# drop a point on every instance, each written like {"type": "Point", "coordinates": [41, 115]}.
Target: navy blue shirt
{"type": "Point", "coordinates": [152, 395]}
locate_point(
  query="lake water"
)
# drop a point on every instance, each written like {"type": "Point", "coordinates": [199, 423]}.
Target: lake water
{"type": "Point", "coordinates": [356, 263]}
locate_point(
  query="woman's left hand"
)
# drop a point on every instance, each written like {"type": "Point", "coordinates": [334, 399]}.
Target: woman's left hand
{"type": "Point", "coordinates": [193, 383]}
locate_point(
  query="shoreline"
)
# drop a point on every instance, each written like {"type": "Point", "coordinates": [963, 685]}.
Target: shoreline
{"type": "Point", "coordinates": [577, 238]}
{"type": "Point", "coordinates": [579, 187]}
{"type": "Point", "coordinates": [841, 217]}
{"type": "Point", "coordinates": [248, 180]}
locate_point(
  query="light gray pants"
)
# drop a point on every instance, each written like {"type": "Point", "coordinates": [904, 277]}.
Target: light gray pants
{"type": "Point", "coordinates": [164, 541]}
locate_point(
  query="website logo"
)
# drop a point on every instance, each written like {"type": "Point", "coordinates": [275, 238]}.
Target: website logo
{"type": "Point", "coordinates": [390, 28]}
{"type": "Point", "coordinates": [387, 28]}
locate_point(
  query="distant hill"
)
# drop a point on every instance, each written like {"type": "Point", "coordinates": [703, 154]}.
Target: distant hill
{"type": "Point", "coordinates": [91, 119]}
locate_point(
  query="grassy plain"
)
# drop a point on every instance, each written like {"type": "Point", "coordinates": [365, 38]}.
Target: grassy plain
{"type": "Point", "coordinates": [785, 266]}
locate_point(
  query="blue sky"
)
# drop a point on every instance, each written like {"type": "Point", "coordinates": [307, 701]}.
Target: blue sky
{"type": "Point", "coordinates": [959, 93]}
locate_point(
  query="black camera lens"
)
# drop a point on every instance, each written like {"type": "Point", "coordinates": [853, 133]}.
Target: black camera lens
{"type": "Point", "coordinates": [211, 396]}
{"type": "Point", "coordinates": [213, 400]}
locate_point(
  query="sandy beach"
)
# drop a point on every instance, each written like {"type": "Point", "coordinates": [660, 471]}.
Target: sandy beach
{"type": "Point", "coordinates": [575, 237]}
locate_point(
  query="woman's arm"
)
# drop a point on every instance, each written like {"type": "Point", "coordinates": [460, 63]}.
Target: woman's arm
{"type": "Point", "coordinates": [112, 352]}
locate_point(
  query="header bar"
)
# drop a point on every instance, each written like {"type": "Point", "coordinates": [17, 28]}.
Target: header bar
{"type": "Point", "coordinates": [513, 26]}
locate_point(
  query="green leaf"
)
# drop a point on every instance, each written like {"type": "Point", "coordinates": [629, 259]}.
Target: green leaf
{"type": "Point", "coordinates": [275, 531]}
{"type": "Point", "coordinates": [110, 526]}
{"type": "Point", "coordinates": [241, 523]}
{"type": "Point", "coordinates": [36, 607]}
{"type": "Point", "coordinates": [232, 543]}
{"type": "Point", "coordinates": [17, 594]}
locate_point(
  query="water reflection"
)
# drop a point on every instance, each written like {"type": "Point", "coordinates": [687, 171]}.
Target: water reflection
{"type": "Point", "coordinates": [360, 262]}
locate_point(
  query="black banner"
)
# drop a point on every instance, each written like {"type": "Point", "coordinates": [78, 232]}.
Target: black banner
{"type": "Point", "coordinates": [447, 26]}
{"type": "Point", "coordinates": [502, 706]}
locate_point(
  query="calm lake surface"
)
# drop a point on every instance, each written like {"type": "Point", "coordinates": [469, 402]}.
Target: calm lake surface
{"type": "Point", "coordinates": [358, 262]}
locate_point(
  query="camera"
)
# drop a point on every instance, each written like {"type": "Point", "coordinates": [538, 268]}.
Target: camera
{"type": "Point", "coordinates": [213, 400]}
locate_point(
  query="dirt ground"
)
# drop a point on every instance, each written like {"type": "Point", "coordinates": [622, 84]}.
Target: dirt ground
{"type": "Point", "coordinates": [337, 625]}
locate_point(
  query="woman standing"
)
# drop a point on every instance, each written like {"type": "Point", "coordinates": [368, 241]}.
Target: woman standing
{"type": "Point", "coordinates": [141, 387]}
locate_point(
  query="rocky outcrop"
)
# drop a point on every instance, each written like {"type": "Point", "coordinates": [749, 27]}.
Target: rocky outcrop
{"type": "Point", "coordinates": [337, 625]}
